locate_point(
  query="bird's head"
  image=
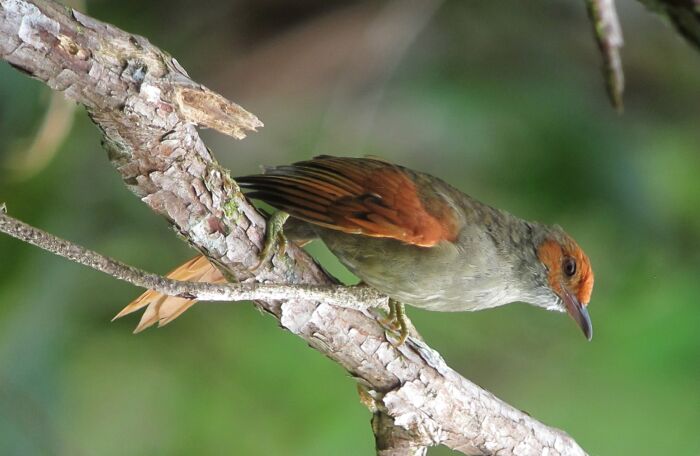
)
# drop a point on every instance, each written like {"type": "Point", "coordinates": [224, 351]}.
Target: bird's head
{"type": "Point", "coordinates": [569, 277]}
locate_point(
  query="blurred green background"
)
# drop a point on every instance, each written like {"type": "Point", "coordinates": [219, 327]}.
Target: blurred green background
{"type": "Point", "coordinates": [502, 99]}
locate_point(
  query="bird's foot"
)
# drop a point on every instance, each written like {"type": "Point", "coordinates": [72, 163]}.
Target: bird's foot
{"type": "Point", "coordinates": [396, 321]}
{"type": "Point", "coordinates": [389, 322]}
{"type": "Point", "coordinates": [274, 238]}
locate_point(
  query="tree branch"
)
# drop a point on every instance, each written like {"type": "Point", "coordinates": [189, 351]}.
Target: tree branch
{"type": "Point", "coordinates": [683, 14]}
{"type": "Point", "coordinates": [608, 34]}
{"type": "Point", "coordinates": [358, 298]}
{"type": "Point", "coordinates": [146, 106]}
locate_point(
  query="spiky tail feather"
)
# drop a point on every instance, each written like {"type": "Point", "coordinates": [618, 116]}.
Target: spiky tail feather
{"type": "Point", "coordinates": [163, 309]}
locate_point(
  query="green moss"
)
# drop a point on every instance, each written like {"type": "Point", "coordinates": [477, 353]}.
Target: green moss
{"type": "Point", "coordinates": [231, 209]}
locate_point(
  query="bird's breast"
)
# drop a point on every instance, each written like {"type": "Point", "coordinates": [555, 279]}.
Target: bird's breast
{"type": "Point", "coordinates": [462, 276]}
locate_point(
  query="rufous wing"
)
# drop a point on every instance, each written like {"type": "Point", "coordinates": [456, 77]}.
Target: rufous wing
{"type": "Point", "coordinates": [357, 195]}
{"type": "Point", "coordinates": [163, 309]}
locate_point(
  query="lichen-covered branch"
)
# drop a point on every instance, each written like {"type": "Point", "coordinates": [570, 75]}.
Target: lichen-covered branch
{"type": "Point", "coordinates": [147, 108]}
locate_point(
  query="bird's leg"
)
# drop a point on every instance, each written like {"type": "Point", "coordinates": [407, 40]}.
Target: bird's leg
{"type": "Point", "coordinates": [274, 237]}
{"type": "Point", "coordinates": [403, 324]}
{"type": "Point", "coordinates": [390, 320]}
{"type": "Point", "coordinates": [396, 320]}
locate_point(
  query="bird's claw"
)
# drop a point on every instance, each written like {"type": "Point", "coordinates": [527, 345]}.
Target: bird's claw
{"type": "Point", "coordinates": [396, 322]}
{"type": "Point", "coordinates": [274, 238]}
{"type": "Point", "coordinates": [389, 322]}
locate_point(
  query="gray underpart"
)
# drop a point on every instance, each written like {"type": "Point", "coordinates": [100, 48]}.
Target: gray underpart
{"type": "Point", "coordinates": [467, 275]}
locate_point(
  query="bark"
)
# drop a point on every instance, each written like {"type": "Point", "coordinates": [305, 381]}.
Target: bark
{"type": "Point", "coordinates": [147, 108]}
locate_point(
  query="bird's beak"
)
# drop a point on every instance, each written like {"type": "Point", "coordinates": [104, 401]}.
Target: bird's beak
{"type": "Point", "coordinates": [579, 313]}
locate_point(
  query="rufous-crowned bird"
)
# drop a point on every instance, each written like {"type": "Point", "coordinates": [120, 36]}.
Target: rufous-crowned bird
{"type": "Point", "coordinates": [414, 238]}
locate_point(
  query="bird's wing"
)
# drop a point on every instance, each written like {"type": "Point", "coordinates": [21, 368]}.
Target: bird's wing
{"type": "Point", "coordinates": [358, 195]}
{"type": "Point", "coordinates": [163, 309]}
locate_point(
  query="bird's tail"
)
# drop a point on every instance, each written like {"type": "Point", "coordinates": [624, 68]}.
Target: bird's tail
{"type": "Point", "coordinates": [163, 309]}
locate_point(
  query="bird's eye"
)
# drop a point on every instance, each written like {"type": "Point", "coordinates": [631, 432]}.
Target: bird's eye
{"type": "Point", "coordinates": [569, 266]}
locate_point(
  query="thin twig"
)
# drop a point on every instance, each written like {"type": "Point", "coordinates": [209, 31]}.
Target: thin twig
{"type": "Point", "coordinates": [358, 298]}
{"type": "Point", "coordinates": [608, 33]}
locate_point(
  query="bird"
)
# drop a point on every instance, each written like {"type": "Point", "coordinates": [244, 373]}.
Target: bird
{"type": "Point", "coordinates": [411, 236]}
